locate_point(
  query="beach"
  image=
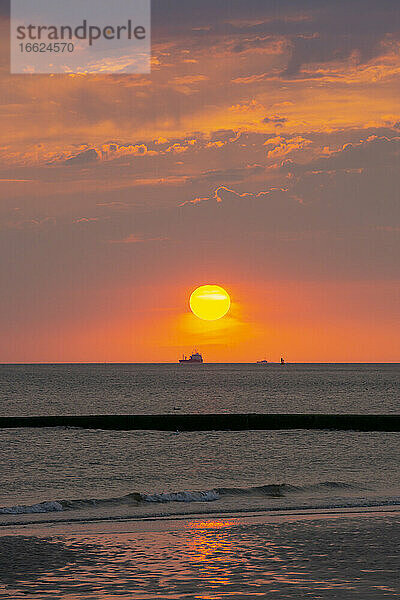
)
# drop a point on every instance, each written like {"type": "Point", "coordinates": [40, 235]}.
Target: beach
{"type": "Point", "coordinates": [346, 554]}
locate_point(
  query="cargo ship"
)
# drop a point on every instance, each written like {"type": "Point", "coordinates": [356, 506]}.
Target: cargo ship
{"type": "Point", "coordinates": [194, 359]}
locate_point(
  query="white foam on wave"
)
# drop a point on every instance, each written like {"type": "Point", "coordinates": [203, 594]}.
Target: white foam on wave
{"type": "Point", "coordinates": [208, 496]}
{"type": "Point", "coordinates": [41, 507]}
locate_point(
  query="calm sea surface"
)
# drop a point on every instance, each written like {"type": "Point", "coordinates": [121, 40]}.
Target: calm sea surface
{"type": "Point", "coordinates": [130, 389]}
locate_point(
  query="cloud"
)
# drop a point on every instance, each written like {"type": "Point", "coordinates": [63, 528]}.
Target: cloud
{"type": "Point", "coordinates": [133, 238]}
{"type": "Point", "coordinates": [370, 153]}
{"type": "Point", "coordinates": [232, 174]}
{"type": "Point", "coordinates": [85, 157]}
{"type": "Point", "coordinates": [31, 223]}
{"type": "Point", "coordinates": [276, 120]}
{"type": "Point", "coordinates": [389, 228]}
{"type": "Point", "coordinates": [188, 84]}
{"type": "Point", "coordinates": [318, 31]}
{"type": "Point", "coordinates": [224, 193]}
{"type": "Point", "coordinates": [16, 180]}
{"type": "Point", "coordinates": [281, 146]}
{"type": "Point", "coordinates": [113, 150]}
{"type": "Point", "coordinates": [86, 219]}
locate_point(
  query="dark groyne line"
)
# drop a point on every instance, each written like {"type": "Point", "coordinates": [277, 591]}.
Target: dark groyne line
{"type": "Point", "coordinates": [211, 422]}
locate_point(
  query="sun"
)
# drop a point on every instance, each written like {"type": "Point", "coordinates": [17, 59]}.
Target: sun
{"type": "Point", "coordinates": [209, 302]}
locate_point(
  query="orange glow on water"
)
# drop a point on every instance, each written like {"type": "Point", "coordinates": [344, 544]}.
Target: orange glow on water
{"type": "Point", "coordinates": [217, 524]}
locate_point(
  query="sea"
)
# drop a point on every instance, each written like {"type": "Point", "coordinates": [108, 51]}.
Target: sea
{"type": "Point", "coordinates": [68, 477]}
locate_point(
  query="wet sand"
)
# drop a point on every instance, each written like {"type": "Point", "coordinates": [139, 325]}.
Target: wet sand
{"type": "Point", "coordinates": [347, 555]}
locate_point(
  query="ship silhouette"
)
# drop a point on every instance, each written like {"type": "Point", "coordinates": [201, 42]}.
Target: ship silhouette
{"type": "Point", "coordinates": [265, 362]}
{"type": "Point", "coordinates": [194, 359]}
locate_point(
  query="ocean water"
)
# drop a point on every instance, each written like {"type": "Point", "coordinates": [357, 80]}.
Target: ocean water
{"type": "Point", "coordinates": [204, 515]}
{"type": "Point", "coordinates": [70, 474]}
{"type": "Point", "coordinates": [150, 389]}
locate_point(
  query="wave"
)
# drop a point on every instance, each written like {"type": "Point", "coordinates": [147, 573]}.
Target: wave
{"type": "Point", "coordinates": [40, 507]}
{"type": "Point", "coordinates": [284, 489]}
{"type": "Point", "coordinates": [135, 498]}
{"type": "Point", "coordinates": [208, 496]}
{"type": "Point", "coordinates": [138, 498]}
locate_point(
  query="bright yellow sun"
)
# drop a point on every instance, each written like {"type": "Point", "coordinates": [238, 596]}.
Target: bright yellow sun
{"type": "Point", "coordinates": [209, 302]}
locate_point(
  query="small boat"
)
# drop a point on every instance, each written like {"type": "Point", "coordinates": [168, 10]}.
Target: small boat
{"type": "Point", "coordinates": [194, 359]}
{"type": "Point", "coordinates": [265, 362]}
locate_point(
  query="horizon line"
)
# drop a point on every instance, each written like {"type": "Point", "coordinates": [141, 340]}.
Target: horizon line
{"type": "Point", "coordinates": [394, 362]}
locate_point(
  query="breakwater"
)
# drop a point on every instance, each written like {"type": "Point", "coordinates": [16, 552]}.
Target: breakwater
{"type": "Point", "coordinates": [211, 422]}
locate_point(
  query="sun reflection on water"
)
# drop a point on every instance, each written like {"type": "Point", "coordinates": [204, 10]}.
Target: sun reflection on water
{"type": "Point", "coordinates": [215, 558]}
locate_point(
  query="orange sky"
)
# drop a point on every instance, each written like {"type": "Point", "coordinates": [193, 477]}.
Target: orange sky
{"type": "Point", "coordinates": [261, 154]}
